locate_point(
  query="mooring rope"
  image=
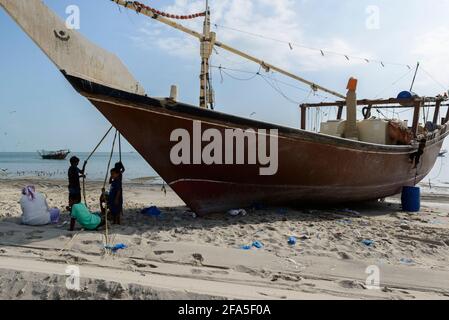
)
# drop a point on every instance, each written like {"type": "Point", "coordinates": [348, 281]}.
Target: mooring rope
{"type": "Point", "coordinates": [103, 190]}
{"type": "Point", "coordinates": [88, 158]}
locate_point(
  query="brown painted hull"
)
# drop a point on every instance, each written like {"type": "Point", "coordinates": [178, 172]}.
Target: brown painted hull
{"type": "Point", "coordinates": [313, 168]}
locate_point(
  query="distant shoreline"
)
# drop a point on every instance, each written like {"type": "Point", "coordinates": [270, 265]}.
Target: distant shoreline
{"type": "Point", "coordinates": [147, 181]}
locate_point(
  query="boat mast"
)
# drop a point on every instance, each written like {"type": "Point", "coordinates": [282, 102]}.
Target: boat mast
{"type": "Point", "coordinates": [140, 8]}
{"type": "Point", "coordinates": [207, 42]}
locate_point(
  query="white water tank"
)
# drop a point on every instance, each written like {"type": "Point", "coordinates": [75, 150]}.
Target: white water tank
{"type": "Point", "coordinates": [373, 131]}
{"type": "Point", "coordinates": [334, 128]}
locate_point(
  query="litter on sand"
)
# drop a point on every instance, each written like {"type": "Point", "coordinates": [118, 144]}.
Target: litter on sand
{"type": "Point", "coordinates": [237, 212]}
{"type": "Point", "coordinates": [152, 211]}
{"type": "Point", "coordinates": [117, 247]}
{"type": "Point", "coordinates": [255, 244]}
{"type": "Point", "coordinates": [407, 261]}
{"type": "Point", "coordinates": [367, 242]}
{"type": "Point", "coordinates": [292, 241]}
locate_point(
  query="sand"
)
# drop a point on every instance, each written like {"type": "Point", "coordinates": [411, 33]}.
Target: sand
{"type": "Point", "coordinates": [180, 256]}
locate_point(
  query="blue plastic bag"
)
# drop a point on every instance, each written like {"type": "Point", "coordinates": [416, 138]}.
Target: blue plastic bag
{"type": "Point", "coordinates": [257, 245]}
{"type": "Point", "coordinates": [151, 211]}
{"type": "Point", "coordinates": [117, 247]}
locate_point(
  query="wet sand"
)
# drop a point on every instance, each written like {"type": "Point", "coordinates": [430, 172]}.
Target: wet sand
{"type": "Point", "coordinates": [181, 256]}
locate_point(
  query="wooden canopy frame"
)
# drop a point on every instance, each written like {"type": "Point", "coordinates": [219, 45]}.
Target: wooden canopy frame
{"type": "Point", "coordinates": [416, 103]}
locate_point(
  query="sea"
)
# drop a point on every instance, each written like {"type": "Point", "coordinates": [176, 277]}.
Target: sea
{"type": "Point", "coordinates": [15, 165]}
{"type": "Point", "coordinates": [22, 165]}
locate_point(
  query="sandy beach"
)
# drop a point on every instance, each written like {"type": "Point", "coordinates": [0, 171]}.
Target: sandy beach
{"type": "Point", "coordinates": [178, 255]}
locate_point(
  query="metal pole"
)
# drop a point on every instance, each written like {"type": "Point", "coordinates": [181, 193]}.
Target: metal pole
{"type": "Point", "coordinates": [414, 77]}
{"type": "Point", "coordinates": [206, 52]}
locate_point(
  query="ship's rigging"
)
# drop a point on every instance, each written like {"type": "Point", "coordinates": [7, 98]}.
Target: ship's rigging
{"type": "Point", "coordinates": [209, 44]}
{"type": "Point", "coordinates": [208, 41]}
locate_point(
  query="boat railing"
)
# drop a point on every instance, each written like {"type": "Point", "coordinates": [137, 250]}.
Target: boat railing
{"type": "Point", "coordinates": [416, 103]}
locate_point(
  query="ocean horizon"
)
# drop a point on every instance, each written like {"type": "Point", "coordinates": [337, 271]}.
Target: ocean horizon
{"type": "Point", "coordinates": [22, 165]}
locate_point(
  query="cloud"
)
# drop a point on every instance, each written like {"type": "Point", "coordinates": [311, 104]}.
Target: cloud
{"type": "Point", "coordinates": [272, 19]}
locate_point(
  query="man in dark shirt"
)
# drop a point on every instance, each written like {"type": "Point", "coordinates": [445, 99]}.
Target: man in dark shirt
{"type": "Point", "coordinates": [74, 175]}
{"type": "Point", "coordinates": [115, 198]}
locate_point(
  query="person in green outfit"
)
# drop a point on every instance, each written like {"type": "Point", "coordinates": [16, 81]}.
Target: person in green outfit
{"type": "Point", "coordinates": [87, 220]}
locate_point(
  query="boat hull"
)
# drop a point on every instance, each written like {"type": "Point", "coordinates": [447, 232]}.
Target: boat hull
{"type": "Point", "coordinates": [312, 168]}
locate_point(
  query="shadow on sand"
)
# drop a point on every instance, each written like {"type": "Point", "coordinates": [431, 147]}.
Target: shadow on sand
{"type": "Point", "coordinates": [134, 223]}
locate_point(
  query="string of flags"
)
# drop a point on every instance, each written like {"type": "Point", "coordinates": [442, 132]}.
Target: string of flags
{"type": "Point", "coordinates": [323, 52]}
{"type": "Point", "coordinates": [140, 6]}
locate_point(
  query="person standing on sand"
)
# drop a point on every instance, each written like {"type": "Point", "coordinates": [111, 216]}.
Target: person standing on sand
{"type": "Point", "coordinates": [115, 198]}
{"type": "Point", "coordinates": [35, 210]}
{"type": "Point", "coordinates": [74, 175]}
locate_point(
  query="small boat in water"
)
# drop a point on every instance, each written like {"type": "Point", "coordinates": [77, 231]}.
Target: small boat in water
{"type": "Point", "coordinates": [442, 153]}
{"type": "Point", "coordinates": [54, 155]}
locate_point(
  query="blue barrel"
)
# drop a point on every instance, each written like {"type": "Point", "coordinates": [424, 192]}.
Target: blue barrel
{"type": "Point", "coordinates": [411, 199]}
{"type": "Point", "coordinates": [405, 95]}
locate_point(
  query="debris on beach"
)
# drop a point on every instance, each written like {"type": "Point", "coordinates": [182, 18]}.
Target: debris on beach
{"type": "Point", "coordinates": [292, 241]}
{"type": "Point", "coordinates": [368, 242]}
{"type": "Point", "coordinates": [152, 211]}
{"type": "Point", "coordinates": [407, 261]}
{"type": "Point", "coordinates": [255, 244]}
{"type": "Point", "coordinates": [117, 247]}
{"type": "Point", "coordinates": [237, 212]}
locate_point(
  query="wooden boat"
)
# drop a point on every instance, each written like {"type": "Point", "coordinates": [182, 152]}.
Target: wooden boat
{"type": "Point", "coordinates": [312, 167]}
{"type": "Point", "coordinates": [54, 155]}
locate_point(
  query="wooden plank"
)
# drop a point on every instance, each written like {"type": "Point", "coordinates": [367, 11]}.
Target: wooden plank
{"type": "Point", "coordinates": [303, 117]}
{"type": "Point", "coordinates": [340, 112]}
{"type": "Point", "coordinates": [446, 120]}
{"type": "Point", "coordinates": [418, 106]}
{"type": "Point", "coordinates": [436, 112]}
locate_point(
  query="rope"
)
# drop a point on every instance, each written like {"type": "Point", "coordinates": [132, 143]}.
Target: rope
{"type": "Point", "coordinates": [88, 158]}
{"type": "Point", "coordinates": [393, 83]}
{"type": "Point", "coordinates": [120, 146]}
{"type": "Point", "coordinates": [104, 188]}
{"type": "Point", "coordinates": [435, 80]}
{"type": "Point", "coordinates": [322, 52]}
{"type": "Point", "coordinates": [140, 6]}
{"type": "Point", "coordinates": [221, 68]}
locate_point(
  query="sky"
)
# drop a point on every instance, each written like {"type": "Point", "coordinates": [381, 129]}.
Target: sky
{"type": "Point", "coordinates": [40, 110]}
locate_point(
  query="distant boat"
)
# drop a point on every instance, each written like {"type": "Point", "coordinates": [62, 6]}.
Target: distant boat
{"type": "Point", "coordinates": [54, 155]}
{"type": "Point", "coordinates": [442, 153]}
